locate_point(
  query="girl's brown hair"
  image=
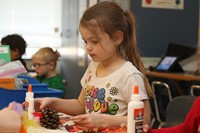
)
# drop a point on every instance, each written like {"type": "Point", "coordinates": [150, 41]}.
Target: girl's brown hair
{"type": "Point", "coordinates": [110, 18]}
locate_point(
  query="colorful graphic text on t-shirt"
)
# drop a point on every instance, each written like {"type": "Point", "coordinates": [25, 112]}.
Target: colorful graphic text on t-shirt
{"type": "Point", "coordinates": [95, 100]}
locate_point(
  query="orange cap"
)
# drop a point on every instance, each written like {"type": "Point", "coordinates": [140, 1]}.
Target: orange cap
{"type": "Point", "coordinates": [136, 91]}
{"type": "Point", "coordinates": [29, 88]}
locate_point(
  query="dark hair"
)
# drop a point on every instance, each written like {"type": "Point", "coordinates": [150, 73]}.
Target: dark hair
{"type": "Point", "coordinates": [110, 18]}
{"type": "Point", "coordinates": [15, 41]}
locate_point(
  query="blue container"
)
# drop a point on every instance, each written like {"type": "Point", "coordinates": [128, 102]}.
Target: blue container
{"type": "Point", "coordinates": [37, 87]}
{"type": "Point", "coordinates": [31, 80]}
{"type": "Point", "coordinates": [50, 92]}
{"type": "Point", "coordinates": [40, 90]}
{"type": "Point", "coordinates": [7, 96]}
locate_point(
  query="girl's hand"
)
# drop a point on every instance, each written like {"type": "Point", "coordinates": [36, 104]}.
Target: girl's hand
{"type": "Point", "coordinates": [42, 103]}
{"type": "Point", "coordinates": [145, 127]}
{"type": "Point", "coordinates": [88, 120]}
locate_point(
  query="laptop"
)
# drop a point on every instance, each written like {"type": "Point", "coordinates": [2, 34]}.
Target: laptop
{"type": "Point", "coordinates": [166, 64]}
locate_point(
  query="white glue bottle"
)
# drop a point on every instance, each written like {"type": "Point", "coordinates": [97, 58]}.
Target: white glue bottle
{"type": "Point", "coordinates": [29, 102]}
{"type": "Point", "coordinates": [135, 113]}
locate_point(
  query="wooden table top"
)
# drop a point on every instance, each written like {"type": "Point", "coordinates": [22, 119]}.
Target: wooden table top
{"type": "Point", "coordinates": [175, 76]}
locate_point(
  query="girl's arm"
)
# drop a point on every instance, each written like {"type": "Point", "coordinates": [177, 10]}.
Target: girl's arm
{"type": "Point", "coordinates": [147, 112]}
{"type": "Point", "coordinates": [67, 106]}
{"type": "Point", "coordinates": [99, 120]}
{"type": "Point", "coordinates": [70, 106]}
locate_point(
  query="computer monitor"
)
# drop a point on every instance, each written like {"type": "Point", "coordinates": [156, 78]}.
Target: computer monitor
{"type": "Point", "coordinates": [175, 53]}
{"type": "Point", "coordinates": [180, 50]}
{"type": "Point", "coordinates": [166, 63]}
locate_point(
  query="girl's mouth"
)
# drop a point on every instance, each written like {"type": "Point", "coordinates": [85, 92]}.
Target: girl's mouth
{"type": "Point", "coordinates": [92, 55]}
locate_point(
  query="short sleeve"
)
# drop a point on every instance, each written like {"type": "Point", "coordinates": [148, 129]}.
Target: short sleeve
{"type": "Point", "coordinates": [135, 79]}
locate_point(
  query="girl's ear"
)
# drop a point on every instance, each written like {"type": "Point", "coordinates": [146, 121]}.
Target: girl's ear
{"type": "Point", "coordinates": [118, 37]}
{"type": "Point", "coordinates": [52, 64]}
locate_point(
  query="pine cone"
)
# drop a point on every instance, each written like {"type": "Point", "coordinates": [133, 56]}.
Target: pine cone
{"type": "Point", "coordinates": [50, 118]}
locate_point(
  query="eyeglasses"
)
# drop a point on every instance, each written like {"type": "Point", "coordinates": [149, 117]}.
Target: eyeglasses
{"type": "Point", "coordinates": [39, 65]}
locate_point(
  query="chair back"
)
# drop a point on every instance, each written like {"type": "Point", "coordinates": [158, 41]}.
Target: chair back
{"type": "Point", "coordinates": [177, 110]}
{"type": "Point", "coordinates": [164, 91]}
{"type": "Point", "coordinates": [195, 90]}
{"type": "Point", "coordinates": [161, 100]}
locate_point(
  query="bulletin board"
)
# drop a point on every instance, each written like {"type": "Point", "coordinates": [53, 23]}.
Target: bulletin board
{"type": "Point", "coordinates": [157, 27]}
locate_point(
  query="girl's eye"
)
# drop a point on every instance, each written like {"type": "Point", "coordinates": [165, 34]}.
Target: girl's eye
{"type": "Point", "coordinates": [94, 42]}
{"type": "Point", "coordinates": [91, 42]}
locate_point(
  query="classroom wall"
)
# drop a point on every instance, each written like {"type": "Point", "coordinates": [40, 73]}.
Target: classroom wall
{"type": "Point", "coordinates": [157, 27]}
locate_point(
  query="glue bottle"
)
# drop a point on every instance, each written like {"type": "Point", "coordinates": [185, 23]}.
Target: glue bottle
{"type": "Point", "coordinates": [135, 112]}
{"type": "Point", "coordinates": [29, 102]}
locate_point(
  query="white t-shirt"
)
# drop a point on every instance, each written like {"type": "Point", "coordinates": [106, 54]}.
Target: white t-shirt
{"type": "Point", "coordinates": [111, 94]}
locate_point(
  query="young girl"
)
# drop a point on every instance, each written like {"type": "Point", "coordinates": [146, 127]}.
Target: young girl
{"type": "Point", "coordinates": [44, 62]}
{"type": "Point", "coordinates": [107, 85]}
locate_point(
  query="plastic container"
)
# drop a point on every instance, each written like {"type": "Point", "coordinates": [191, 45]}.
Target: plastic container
{"type": "Point", "coordinates": [31, 80]}
{"type": "Point", "coordinates": [37, 87]}
{"type": "Point", "coordinates": [135, 113]}
{"type": "Point", "coordinates": [7, 96]}
{"type": "Point", "coordinates": [50, 92]}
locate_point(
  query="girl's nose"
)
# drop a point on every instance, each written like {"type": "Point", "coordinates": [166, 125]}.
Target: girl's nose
{"type": "Point", "coordinates": [88, 48]}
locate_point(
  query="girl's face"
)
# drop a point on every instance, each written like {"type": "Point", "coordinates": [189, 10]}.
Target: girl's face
{"type": "Point", "coordinates": [101, 48]}
{"type": "Point", "coordinates": [41, 67]}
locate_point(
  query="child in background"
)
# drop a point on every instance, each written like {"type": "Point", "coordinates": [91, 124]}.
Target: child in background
{"type": "Point", "coordinates": [17, 46]}
{"type": "Point", "coordinates": [107, 85]}
{"type": "Point", "coordinates": [44, 63]}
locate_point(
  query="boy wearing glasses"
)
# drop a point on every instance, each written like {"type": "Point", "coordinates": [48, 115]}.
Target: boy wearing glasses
{"type": "Point", "coordinates": [44, 63]}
